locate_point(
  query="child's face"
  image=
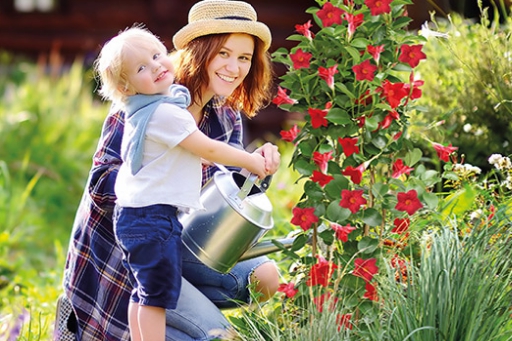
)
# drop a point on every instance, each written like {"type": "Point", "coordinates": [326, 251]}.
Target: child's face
{"type": "Point", "coordinates": [230, 66]}
{"type": "Point", "coordinates": [149, 71]}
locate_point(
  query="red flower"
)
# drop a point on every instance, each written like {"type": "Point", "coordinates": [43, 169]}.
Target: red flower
{"type": "Point", "coordinates": [388, 119]}
{"type": "Point", "coordinates": [401, 225]}
{"type": "Point", "coordinates": [321, 273]}
{"type": "Point", "coordinates": [290, 135]}
{"type": "Point", "coordinates": [371, 292]}
{"type": "Point", "coordinates": [288, 289]}
{"type": "Point", "coordinates": [318, 117]}
{"type": "Point", "coordinates": [411, 54]}
{"type": "Point", "coordinates": [344, 321]}
{"type": "Point", "coordinates": [321, 178]}
{"type": "Point", "coordinates": [399, 168]}
{"type": "Point", "coordinates": [320, 302]}
{"type": "Point", "coordinates": [378, 6]}
{"type": "Point", "coordinates": [443, 153]}
{"type": "Point", "coordinates": [342, 232]}
{"type": "Point", "coordinates": [408, 202]}
{"type": "Point", "coordinates": [282, 97]}
{"type": "Point", "coordinates": [300, 59]}
{"type": "Point", "coordinates": [322, 159]}
{"type": "Point", "coordinates": [393, 92]}
{"type": "Point", "coordinates": [355, 174]}
{"type": "Point", "coordinates": [304, 30]}
{"type": "Point", "coordinates": [349, 145]}
{"type": "Point", "coordinates": [397, 135]}
{"type": "Point", "coordinates": [415, 92]}
{"type": "Point", "coordinates": [353, 200]}
{"type": "Point", "coordinates": [304, 217]}
{"type": "Point", "coordinates": [365, 268]}
{"type": "Point", "coordinates": [327, 74]}
{"type": "Point", "coordinates": [375, 51]}
{"type": "Point", "coordinates": [330, 15]}
{"type": "Point", "coordinates": [354, 21]}
{"type": "Point", "coordinates": [364, 71]}
{"type": "Point", "coordinates": [364, 99]}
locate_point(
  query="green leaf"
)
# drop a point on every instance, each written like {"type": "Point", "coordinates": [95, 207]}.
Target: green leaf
{"type": "Point", "coordinates": [413, 156]}
{"type": "Point", "coordinates": [334, 188]}
{"type": "Point", "coordinates": [431, 200]}
{"type": "Point", "coordinates": [372, 217]}
{"type": "Point", "coordinates": [343, 88]}
{"type": "Point", "coordinates": [337, 213]}
{"type": "Point", "coordinates": [361, 43]}
{"type": "Point", "coordinates": [338, 116]}
{"type": "Point", "coordinates": [354, 53]}
{"type": "Point", "coordinates": [368, 245]}
{"type": "Point", "coordinates": [458, 202]}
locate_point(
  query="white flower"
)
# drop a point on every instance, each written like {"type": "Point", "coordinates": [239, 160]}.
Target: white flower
{"type": "Point", "coordinates": [427, 32]}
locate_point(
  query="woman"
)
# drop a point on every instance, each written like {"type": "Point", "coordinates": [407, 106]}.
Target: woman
{"type": "Point", "coordinates": [222, 58]}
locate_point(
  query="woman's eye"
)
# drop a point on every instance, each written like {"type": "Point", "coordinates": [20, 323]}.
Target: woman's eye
{"type": "Point", "coordinates": [245, 58]}
{"type": "Point", "coordinates": [223, 53]}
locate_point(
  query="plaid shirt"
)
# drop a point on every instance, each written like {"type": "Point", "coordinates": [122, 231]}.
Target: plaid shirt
{"type": "Point", "coordinates": [95, 280]}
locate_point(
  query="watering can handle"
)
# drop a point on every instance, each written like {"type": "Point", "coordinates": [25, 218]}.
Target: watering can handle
{"type": "Point", "coordinates": [265, 182]}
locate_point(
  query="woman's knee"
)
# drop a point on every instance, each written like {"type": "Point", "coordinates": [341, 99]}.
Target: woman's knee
{"type": "Point", "coordinates": [266, 279]}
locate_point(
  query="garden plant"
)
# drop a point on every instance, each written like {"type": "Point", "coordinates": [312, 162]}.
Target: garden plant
{"type": "Point", "coordinates": [399, 237]}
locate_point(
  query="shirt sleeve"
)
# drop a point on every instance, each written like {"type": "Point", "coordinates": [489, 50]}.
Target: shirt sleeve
{"type": "Point", "coordinates": [106, 162]}
{"type": "Point", "coordinates": [170, 124]}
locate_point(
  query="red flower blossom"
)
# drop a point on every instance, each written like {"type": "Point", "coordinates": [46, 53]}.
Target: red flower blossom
{"type": "Point", "coordinates": [321, 178]}
{"type": "Point", "coordinates": [330, 15]}
{"type": "Point", "coordinates": [327, 74]}
{"type": "Point", "coordinates": [290, 135]}
{"type": "Point", "coordinates": [353, 200]}
{"type": "Point", "coordinates": [401, 225]}
{"type": "Point", "coordinates": [355, 174]}
{"type": "Point", "coordinates": [378, 6]}
{"type": "Point", "coordinates": [321, 273]}
{"type": "Point", "coordinates": [365, 268]}
{"type": "Point", "coordinates": [397, 135]}
{"type": "Point", "coordinates": [411, 54]}
{"type": "Point", "coordinates": [320, 302]}
{"type": "Point", "coordinates": [343, 321]}
{"type": "Point", "coordinates": [300, 59]}
{"type": "Point", "coordinates": [282, 97]}
{"type": "Point", "coordinates": [408, 202]}
{"type": "Point", "coordinates": [349, 145]}
{"type": "Point", "coordinates": [304, 217]}
{"type": "Point", "coordinates": [322, 159]}
{"type": "Point", "coordinates": [354, 21]}
{"type": "Point", "coordinates": [399, 168]}
{"type": "Point", "coordinates": [375, 51]}
{"type": "Point", "coordinates": [388, 119]}
{"type": "Point", "coordinates": [364, 71]}
{"type": "Point", "coordinates": [318, 117]}
{"type": "Point", "coordinates": [393, 92]}
{"type": "Point", "coordinates": [288, 289]}
{"type": "Point", "coordinates": [371, 292]}
{"type": "Point", "coordinates": [304, 30]}
{"type": "Point", "coordinates": [443, 153]}
{"type": "Point", "coordinates": [413, 87]}
{"type": "Point", "coordinates": [342, 232]}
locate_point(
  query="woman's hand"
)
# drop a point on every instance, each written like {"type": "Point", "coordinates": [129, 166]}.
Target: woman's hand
{"type": "Point", "coordinates": [271, 155]}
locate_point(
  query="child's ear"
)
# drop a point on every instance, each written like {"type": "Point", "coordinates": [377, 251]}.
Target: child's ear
{"type": "Point", "coordinates": [125, 89]}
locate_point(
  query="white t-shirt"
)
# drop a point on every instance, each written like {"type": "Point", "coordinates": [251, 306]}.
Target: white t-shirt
{"type": "Point", "coordinates": [169, 174]}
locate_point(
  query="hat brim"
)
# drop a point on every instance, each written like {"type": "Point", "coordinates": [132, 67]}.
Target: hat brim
{"type": "Point", "coordinates": [216, 26]}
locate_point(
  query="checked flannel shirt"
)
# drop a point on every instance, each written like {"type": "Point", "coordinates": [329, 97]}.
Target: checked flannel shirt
{"type": "Point", "coordinates": [95, 280]}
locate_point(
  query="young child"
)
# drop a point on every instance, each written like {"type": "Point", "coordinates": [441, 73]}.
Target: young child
{"type": "Point", "coordinates": [161, 171]}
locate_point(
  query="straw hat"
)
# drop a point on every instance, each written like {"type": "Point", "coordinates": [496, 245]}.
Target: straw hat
{"type": "Point", "coordinates": [221, 16]}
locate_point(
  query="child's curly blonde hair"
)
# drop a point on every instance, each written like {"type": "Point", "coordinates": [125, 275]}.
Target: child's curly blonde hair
{"type": "Point", "coordinates": [109, 65]}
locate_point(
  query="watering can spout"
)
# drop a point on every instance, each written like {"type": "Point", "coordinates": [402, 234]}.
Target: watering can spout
{"type": "Point", "coordinates": [265, 247]}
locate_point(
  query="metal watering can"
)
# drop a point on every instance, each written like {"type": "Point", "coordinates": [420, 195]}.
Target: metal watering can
{"type": "Point", "coordinates": [237, 214]}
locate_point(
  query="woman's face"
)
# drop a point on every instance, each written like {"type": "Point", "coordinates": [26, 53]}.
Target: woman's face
{"type": "Point", "coordinates": [230, 66]}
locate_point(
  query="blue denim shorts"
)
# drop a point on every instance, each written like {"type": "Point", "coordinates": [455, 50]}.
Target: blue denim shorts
{"type": "Point", "coordinates": [150, 238]}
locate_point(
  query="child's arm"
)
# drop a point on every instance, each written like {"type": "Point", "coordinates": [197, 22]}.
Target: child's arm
{"type": "Point", "coordinates": [220, 152]}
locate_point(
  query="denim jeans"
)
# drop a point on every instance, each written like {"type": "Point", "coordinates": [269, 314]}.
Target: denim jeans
{"type": "Point", "coordinates": [203, 292]}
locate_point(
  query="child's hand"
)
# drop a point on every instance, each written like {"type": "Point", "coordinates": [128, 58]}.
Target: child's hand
{"type": "Point", "coordinates": [258, 166]}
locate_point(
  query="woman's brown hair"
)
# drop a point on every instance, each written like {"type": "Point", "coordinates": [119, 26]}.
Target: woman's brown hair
{"type": "Point", "coordinates": [252, 95]}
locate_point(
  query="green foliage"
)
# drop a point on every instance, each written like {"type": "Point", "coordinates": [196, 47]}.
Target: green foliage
{"type": "Point", "coordinates": [49, 125]}
{"type": "Point", "coordinates": [468, 87]}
